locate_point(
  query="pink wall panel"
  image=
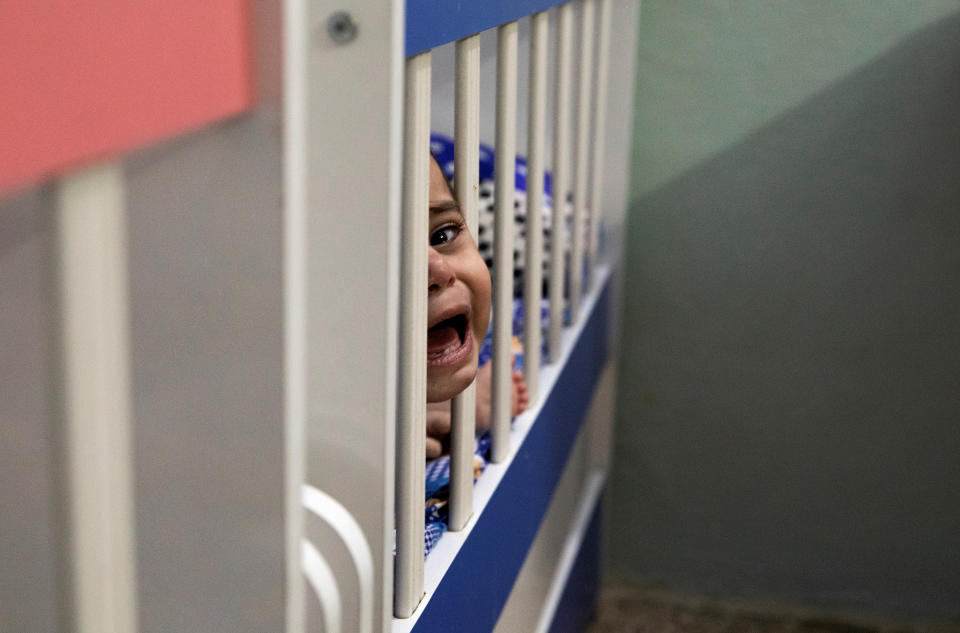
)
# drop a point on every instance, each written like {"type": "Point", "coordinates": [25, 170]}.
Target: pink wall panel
{"type": "Point", "coordinates": [86, 80]}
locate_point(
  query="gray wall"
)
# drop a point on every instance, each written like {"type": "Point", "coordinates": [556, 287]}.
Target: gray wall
{"type": "Point", "coordinates": [790, 373]}
{"type": "Point", "coordinates": [206, 293]}
{"type": "Point", "coordinates": [31, 554]}
{"type": "Point", "coordinates": [204, 229]}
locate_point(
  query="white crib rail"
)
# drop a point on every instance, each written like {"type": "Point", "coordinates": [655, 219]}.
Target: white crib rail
{"type": "Point", "coordinates": [296, 105]}
{"type": "Point", "coordinates": [581, 155]}
{"type": "Point", "coordinates": [466, 180]}
{"type": "Point", "coordinates": [561, 173]}
{"type": "Point", "coordinates": [94, 340]}
{"type": "Point", "coordinates": [411, 423]}
{"type": "Point", "coordinates": [536, 143]}
{"type": "Point", "coordinates": [504, 184]}
{"type": "Point", "coordinates": [599, 135]}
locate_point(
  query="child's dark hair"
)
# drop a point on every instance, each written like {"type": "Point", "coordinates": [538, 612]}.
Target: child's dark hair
{"type": "Point", "coordinates": [453, 192]}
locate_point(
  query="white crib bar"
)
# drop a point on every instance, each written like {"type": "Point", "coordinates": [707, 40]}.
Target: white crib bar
{"type": "Point", "coordinates": [595, 204]}
{"type": "Point", "coordinates": [505, 186]}
{"type": "Point", "coordinates": [411, 424]}
{"type": "Point", "coordinates": [466, 183]}
{"type": "Point", "coordinates": [295, 310]}
{"type": "Point", "coordinates": [533, 268]}
{"type": "Point", "coordinates": [581, 156]}
{"type": "Point", "coordinates": [95, 350]}
{"type": "Point", "coordinates": [561, 151]}
{"type": "Point", "coordinates": [462, 439]}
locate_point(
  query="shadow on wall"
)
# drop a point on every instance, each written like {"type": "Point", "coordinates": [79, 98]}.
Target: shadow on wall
{"type": "Point", "coordinates": [790, 395]}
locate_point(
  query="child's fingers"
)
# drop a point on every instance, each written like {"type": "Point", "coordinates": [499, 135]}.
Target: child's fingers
{"type": "Point", "coordinates": [434, 448]}
{"type": "Point", "coordinates": [438, 423]}
{"type": "Point", "coordinates": [519, 383]}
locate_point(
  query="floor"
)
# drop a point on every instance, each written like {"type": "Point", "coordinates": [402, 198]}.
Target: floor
{"type": "Point", "coordinates": [636, 609]}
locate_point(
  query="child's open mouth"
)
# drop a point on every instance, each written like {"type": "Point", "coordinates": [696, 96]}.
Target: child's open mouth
{"type": "Point", "coordinates": [448, 341]}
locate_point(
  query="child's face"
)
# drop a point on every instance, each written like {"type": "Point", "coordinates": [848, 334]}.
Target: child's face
{"type": "Point", "coordinates": [458, 296]}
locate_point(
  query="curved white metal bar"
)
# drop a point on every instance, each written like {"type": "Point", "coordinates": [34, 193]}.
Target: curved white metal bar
{"type": "Point", "coordinates": [351, 534]}
{"type": "Point", "coordinates": [505, 186]}
{"type": "Point", "coordinates": [324, 584]}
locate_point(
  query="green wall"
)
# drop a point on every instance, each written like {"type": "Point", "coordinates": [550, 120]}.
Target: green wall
{"type": "Point", "coordinates": [790, 373]}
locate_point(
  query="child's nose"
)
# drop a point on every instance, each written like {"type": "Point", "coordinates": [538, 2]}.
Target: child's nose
{"type": "Point", "coordinates": [439, 272]}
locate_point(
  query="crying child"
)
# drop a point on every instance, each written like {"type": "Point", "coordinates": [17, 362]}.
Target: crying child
{"type": "Point", "coordinates": [458, 312]}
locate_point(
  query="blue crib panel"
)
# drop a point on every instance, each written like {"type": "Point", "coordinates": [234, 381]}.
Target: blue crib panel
{"type": "Point", "coordinates": [431, 23]}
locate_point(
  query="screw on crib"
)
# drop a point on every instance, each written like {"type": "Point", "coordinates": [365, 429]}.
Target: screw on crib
{"type": "Point", "coordinates": [341, 27]}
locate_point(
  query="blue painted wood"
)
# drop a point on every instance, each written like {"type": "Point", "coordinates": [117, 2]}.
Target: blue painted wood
{"type": "Point", "coordinates": [477, 584]}
{"type": "Point", "coordinates": [576, 606]}
{"type": "Point", "coordinates": [434, 22]}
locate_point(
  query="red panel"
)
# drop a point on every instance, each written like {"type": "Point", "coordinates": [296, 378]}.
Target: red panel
{"type": "Point", "coordinates": [84, 80]}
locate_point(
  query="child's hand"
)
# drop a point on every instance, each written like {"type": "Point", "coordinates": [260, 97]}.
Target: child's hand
{"type": "Point", "coordinates": [438, 428]}
{"type": "Point", "coordinates": [438, 413]}
{"type": "Point", "coordinates": [484, 377]}
{"type": "Point", "coordinates": [519, 396]}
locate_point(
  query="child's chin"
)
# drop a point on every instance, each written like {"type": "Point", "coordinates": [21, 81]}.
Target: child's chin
{"type": "Point", "coordinates": [446, 387]}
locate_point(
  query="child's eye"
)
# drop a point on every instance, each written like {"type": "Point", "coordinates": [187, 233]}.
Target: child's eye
{"type": "Point", "coordinates": [445, 235]}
